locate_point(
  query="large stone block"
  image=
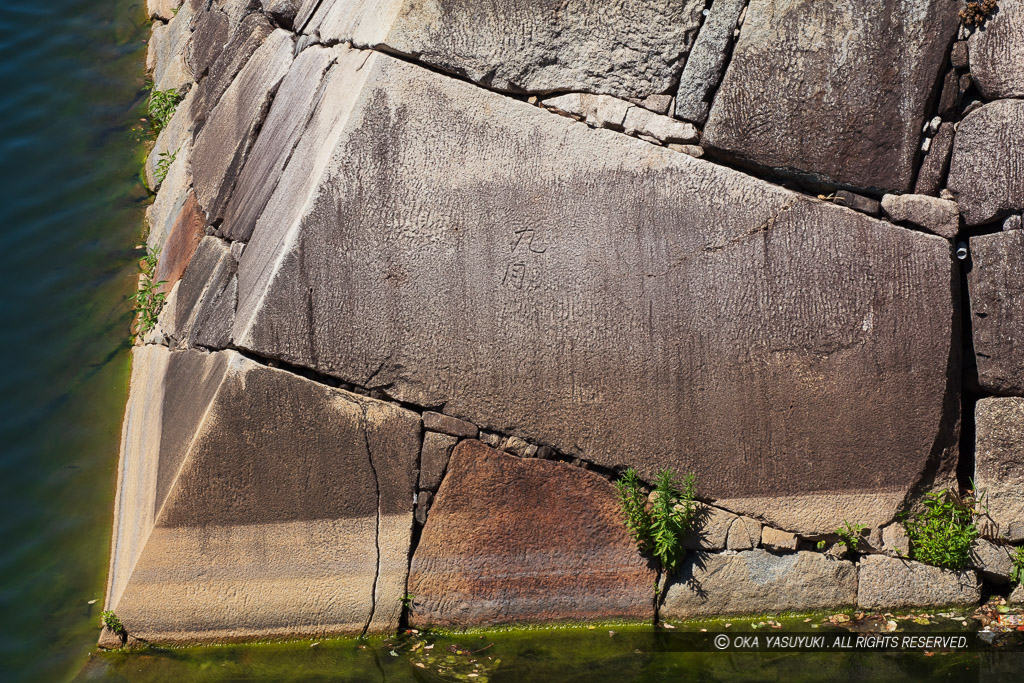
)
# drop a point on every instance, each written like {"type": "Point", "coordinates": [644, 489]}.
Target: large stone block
{"type": "Point", "coordinates": [523, 540]}
{"type": "Point", "coordinates": [986, 172]}
{"type": "Point", "coordinates": [221, 147]}
{"type": "Point", "coordinates": [705, 63]}
{"type": "Point", "coordinates": [618, 301]}
{"type": "Point", "coordinates": [890, 583]}
{"type": "Point", "coordinates": [996, 287]}
{"type": "Point", "coordinates": [833, 91]}
{"type": "Point", "coordinates": [999, 462]}
{"type": "Point", "coordinates": [997, 52]}
{"type": "Point", "coordinates": [628, 49]}
{"type": "Point", "coordinates": [758, 582]}
{"type": "Point", "coordinates": [252, 502]}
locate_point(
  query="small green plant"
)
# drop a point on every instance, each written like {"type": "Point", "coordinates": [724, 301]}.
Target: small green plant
{"type": "Point", "coordinates": [163, 165]}
{"type": "Point", "coordinates": [821, 545]}
{"type": "Point", "coordinates": [162, 104]}
{"type": "Point", "coordinates": [850, 535]}
{"type": "Point", "coordinates": [111, 621]}
{"type": "Point", "coordinates": [407, 600]}
{"type": "Point", "coordinates": [1017, 571]}
{"type": "Point", "coordinates": [658, 525]}
{"type": "Point", "coordinates": [941, 530]}
{"type": "Point", "coordinates": [148, 300]}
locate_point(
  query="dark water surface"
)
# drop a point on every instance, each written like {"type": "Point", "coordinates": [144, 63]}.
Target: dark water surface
{"type": "Point", "coordinates": [71, 209]}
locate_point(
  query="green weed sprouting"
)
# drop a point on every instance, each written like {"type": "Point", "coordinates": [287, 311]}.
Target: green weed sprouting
{"type": "Point", "coordinates": [1017, 571]}
{"type": "Point", "coordinates": [111, 621]}
{"type": "Point", "coordinates": [850, 535]}
{"type": "Point", "coordinates": [148, 301]}
{"type": "Point", "coordinates": [162, 104]}
{"type": "Point", "coordinates": [942, 529]}
{"type": "Point", "coordinates": [659, 525]}
{"type": "Point", "coordinates": [163, 165]}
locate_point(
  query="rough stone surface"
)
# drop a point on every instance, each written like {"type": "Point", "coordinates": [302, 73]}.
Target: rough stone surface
{"type": "Point", "coordinates": [162, 9]}
{"type": "Point", "coordinates": [255, 503]}
{"type": "Point", "coordinates": [959, 55]}
{"type": "Point", "coordinates": [1013, 223]}
{"type": "Point", "coordinates": [833, 91]}
{"type": "Point", "coordinates": [221, 146]}
{"type": "Point", "coordinates": [758, 582]}
{"type": "Point", "coordinates": [932, 176]}
{"type": "Point", "coordinates": [283, 11]}
{"type": "Point", "coordinates": [895, 540]}
{"type": "Point", "coordinates": [774, 539]}
{"type": "Point", "coordinates": [999, 462]}
{"type": "Point", "coordinates": [996, 289]}
{"type": "Point", "coordinates": [890, 583]}
{"type": "Point", "coordinates": [997, 52]}
{"type": "Point", "coordinates": [1017, 596]}
{"type": "Point", "coordinates": [191, 312]}
{"type": "Point", "coordinates": [166, 210]}
{"type": "Point", "coordinates": [640, 121]}
{"type": "Point", "coordinates": [446, 424]}
{"type": "Point", "coordinates": [992, 561]}
{"type": "Point", "coordinates": [437, 449]}
{"type": "Point", "coordinates": [858, 202]}
{"type": "Point", "coordinates": [513, 540]}
{"type": "Point", "coordinates": [181, 243]}
{"type": "Point", "coordinates": [744, 534]}
{"type": "Point", "coordinates": [423, 502]}
{"type": "Point", "coordinates": [226, 62]}
{"type": "Point", "coordinates": [706, 61]}
{"type": "Point", "coordinates": [938, 216]}
{"type": "Point", "coordinates": [987, 169]}
{"type": "Point", "coordinates": [602, 111]}
{"type": "Point", "coordinates": [768, 350]}
{"type": "Point", "coordinates": [288, 116]}
{"type": "Point", "coordinates": [166, 54]}
{"type": "Point", "coordinates": [595, 46]}
{"type": "Point", "coordinates": [712, 529]}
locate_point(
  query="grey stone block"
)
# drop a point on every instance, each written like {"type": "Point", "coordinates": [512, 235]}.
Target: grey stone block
{"type": "Point", "coordinates": [706, 61]}
{"type": "Point", "coordinates": [997, 52]}
{"type": "Point", "coordinates": [734, 307]}
{"type": "Point", "coordinates": [825, 115]}
{"type": "Point", "coordinates": [938, 216]}
{"type": "Point", "coordinates": [999, 463]}
{"type": "Point", "coordinates": [997, 310]}
{"type": "Point", "coordinates": [891, 583]}
{"type": "Point", "coordinates": [987, 169]}
{"type": "Point", "coordinates": [437, 449]}
{"type": "Point", "coordinates": [758, 582]}
{"type": "Point", "coordinates": [594, 46]}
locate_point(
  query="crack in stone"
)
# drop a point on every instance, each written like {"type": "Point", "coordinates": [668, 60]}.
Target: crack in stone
{"type": "Point", "coordinates": [376, 538]}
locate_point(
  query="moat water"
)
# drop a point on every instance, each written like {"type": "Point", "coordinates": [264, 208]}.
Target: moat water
{"type": "Point", "coordinates": [71, 212]}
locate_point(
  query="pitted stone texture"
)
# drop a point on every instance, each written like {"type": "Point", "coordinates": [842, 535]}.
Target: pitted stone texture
{"type": "Point", "coordinates": [163, 10]}
{"type": "Point", "coordinates": [222, 63]}
{"type": "Point", "coordinates": [931, 178]}
{"type": "Point", "coordinates": [181, 244]}
{"type": "Point", "coordinates": [938, 216]}
{"type": "Point", "coordinates": [833, 91]}
{"type": "Point", "coordinates": [425, 229]}
{"type": "Point", "coordinates": [221, 147]}
{"type": "Point", "coordinates": [603, 111]}
{"type": "Point", "coordinates": [744, 534]}
{"type": "Point", "coordinates": [282, 11]}
{"type": "Point", "coordinates": [987, 169]}
{"type": "Point", "coordinates": [640, 121]}
{"type": "Point", "coordinates": [255, 503]}
{"type": "Point", "coordinates": [446, 424]}
{"type": "Point", "coordinates": [511, 540]}
{"type": "Point", "coordinates": [165, 58]}
{"type": "Point", "coordinates": [630, 49]}
{"type": "Point", "coordinates": [758, 582]}
{"type": "Point", "coordinates": [293, 106]}
{"type": "Point", "coordinates": [1017, 596]}
{"type": "Point", "coordinates": [437, 450]}
{"type": "Point", "coordinates": [994, 562]}
{"type": "Point", "coordinates": [705, 63]}
{"type": "Point", "coordinates": [999, 463]}
{"type": "Point", "coordinates": [996, 287]}
{"type": "Point", "coordinates": [891, 583]}
{"type": "Point", "coordinates": [775, 539]}
{"type": "Point", "coordinates": [712, 529]}
{"type": "Point", "coordinates": [997, 52]}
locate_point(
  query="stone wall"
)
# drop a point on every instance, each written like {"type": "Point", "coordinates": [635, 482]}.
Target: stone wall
{"type": "Point", "coordinates": [438, 271]}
